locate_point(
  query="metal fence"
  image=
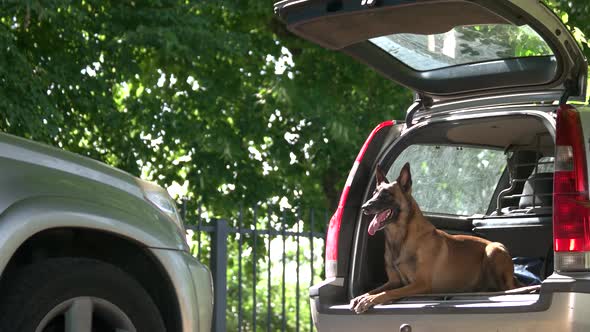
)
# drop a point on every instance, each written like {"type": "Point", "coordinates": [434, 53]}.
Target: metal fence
{"type": "Point", "coordinates": [263, 262]}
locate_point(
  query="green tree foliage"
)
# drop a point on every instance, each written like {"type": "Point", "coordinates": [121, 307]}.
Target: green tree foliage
{"type": "Point", "coordinates": [576, 15]}
{"type": "Point", "coordinates": [218, 94]}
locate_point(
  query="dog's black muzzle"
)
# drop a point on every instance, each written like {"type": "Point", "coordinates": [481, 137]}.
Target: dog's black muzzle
{"type": "Point", "coordinates": [374, 206]}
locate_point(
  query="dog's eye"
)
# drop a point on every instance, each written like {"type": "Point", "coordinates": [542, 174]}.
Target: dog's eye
{"type": "Point", "coordinates": [386, 193]}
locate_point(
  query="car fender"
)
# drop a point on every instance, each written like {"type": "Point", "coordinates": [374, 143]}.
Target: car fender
{"type": "Point", "coordinates": [29, 216]}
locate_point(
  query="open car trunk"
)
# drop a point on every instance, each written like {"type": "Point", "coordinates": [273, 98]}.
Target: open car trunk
{"type": "Point", "coordinates": [448, 50]}
{"type": "Point", "coordinates": [517, 211]}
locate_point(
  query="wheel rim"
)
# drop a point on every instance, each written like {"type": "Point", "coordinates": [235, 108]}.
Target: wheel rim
{"type": "Point", "coordinates": [81, 314]}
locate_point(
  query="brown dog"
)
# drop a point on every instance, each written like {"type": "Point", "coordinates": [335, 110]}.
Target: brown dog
{"type": "Point", "coordinates": [419, 259]}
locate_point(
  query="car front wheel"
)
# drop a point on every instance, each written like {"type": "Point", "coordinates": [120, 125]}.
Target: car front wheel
{"type": "Point", "coordinates": [76, 295]}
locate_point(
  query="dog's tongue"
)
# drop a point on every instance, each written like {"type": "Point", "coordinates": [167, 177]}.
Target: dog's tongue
{"type": "Point", "coordinates": [377, 220]}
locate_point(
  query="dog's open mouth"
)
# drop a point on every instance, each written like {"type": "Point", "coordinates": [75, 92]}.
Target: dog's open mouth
{"type": "Point", "coordinates": [379, 221]}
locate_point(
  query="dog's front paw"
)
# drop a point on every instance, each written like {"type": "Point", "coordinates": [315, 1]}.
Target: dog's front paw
{"type": "Point", "coordinates": [363, 303]}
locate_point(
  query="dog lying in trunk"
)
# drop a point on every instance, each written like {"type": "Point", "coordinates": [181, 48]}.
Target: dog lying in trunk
{"type": "Point", "coordinates": [420, 259]}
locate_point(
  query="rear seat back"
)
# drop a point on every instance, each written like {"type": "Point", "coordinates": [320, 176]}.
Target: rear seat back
{"type": "Point", "coordinates": [538, 191]}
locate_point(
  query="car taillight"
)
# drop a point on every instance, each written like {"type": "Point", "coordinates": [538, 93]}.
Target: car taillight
{"type": "Point", "coordinates": [571, 213]}
{"type": "Point", "coordinates": [336, 220]}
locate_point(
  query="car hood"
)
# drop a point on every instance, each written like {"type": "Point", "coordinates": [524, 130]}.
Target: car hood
{"type": "Point", "coordinates": [16, 148]}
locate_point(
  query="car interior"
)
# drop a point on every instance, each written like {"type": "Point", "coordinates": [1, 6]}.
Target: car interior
{"type": "Point", "coordinates": [519, 214]}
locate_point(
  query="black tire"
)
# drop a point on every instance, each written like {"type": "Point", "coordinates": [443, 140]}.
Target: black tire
{"type": "Point", "coordinates": [29, 296]}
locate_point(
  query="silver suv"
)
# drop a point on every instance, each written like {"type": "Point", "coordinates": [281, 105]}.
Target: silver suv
{"type": "Point", "coordinates": [86, 247]}
{"type": "Point", "coordinates": [494, 148]}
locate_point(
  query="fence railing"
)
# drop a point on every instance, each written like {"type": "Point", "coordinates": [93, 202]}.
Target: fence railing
{"type": "Point", "coordinates": [263, 262]}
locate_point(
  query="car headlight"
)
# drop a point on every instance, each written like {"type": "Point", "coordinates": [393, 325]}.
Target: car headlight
{"type": "Point", "coordinates": [159, 197]}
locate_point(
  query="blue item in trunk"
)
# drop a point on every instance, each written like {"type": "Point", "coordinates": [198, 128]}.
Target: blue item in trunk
{"type": "Point", "coordinates": [527, 270]}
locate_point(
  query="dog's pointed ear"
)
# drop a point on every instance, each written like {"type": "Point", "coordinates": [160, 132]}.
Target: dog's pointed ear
{"type": "Point", "coordinates": [380, 175]}
{"type": "Point", "coordinates": [405, 178]}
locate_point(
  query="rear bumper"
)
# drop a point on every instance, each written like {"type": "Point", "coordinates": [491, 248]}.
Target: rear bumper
{"type": "Point", "coordinates": [568, 312]}
{"type": "Point", "coordinates": [193, 286]}
{"type": "Point", "coordinates": [562, 306]}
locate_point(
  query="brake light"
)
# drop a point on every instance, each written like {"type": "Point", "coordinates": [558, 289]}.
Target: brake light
{"type": "Point", "coordinates": [571, 213]}
{"type": "Point", "coordinates": [336, 220]}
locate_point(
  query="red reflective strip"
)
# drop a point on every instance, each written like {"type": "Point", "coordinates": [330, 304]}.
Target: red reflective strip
{"type": "Point", "coordinates": [336, 220]}
{"type": "Point", "coordinates": [334, 228]}
{"type": "Point", "coordinates": [382, 125]}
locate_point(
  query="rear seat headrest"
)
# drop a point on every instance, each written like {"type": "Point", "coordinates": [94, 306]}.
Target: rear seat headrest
{"type": "Point", "coordinates": [541, 184]}
{"type": "Point", "coordinates": [522, 163]}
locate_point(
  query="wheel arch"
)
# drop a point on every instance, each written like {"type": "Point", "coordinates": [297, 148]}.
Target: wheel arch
{"type": "Point", "coordinates": [40, 227]}
{"type": "Point", "coordinates": [33, 215]}
{"type": "Point", "coordinates": [127, 254]}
